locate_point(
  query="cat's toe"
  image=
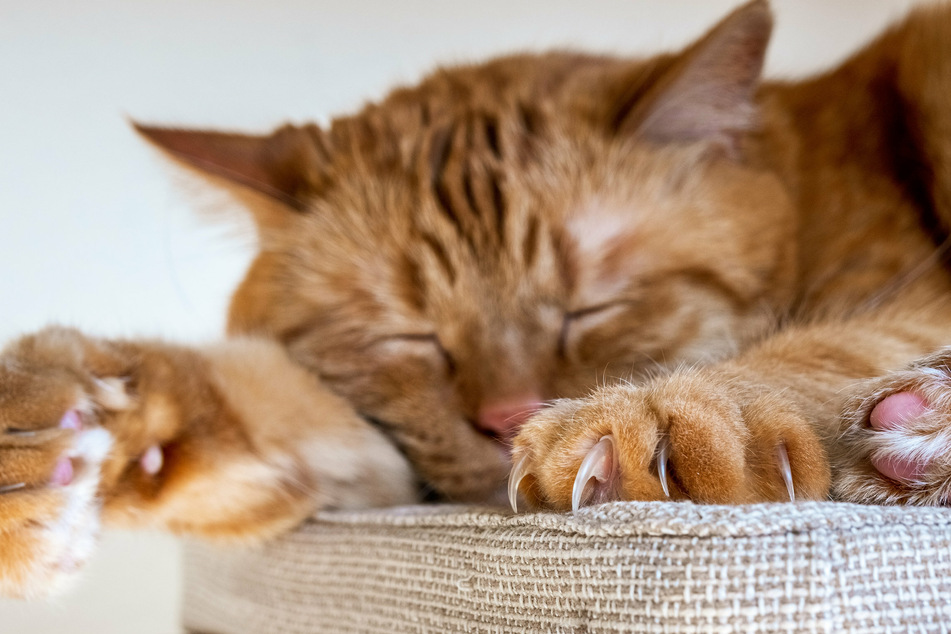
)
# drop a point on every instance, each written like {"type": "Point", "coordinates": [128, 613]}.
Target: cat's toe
{"type": "Point", "coordinates": [572, 455]}
{"type": "Point", "coordinates": [598, 475]}
{"type": "Point", "coordinates": [595, 480]}
{"type": "Point", "coordinates": [689, 436]}
{"type": "Point", "coordinates": [896, 412]}
{"type": "Point", "coordinates": [895, 442]}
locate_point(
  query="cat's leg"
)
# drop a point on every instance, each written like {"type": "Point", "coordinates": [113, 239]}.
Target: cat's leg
{"type": "Point", "coordinates": [232, 441]}
{"type": "Point", "coordinates": [896, 437]}
{"type": "Point", "coordinates": [755, 428]}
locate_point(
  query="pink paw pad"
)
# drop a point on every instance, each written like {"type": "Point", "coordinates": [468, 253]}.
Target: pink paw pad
{"type": "Point", "coordinates": [151, 461]}
{"type": "Point", "coordinates": [71, 420]}
{"type": "Point", "coordinates": [893, 412]}
{"type": "Point", "coordinates": [62, 472]}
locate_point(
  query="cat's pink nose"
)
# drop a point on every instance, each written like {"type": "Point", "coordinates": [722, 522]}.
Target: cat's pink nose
{"type": "Point", "coordinates": [503, 417]}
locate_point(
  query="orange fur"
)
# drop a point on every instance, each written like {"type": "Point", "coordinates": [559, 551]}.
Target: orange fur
{"type": "Point", "coordinates": [686, 253]}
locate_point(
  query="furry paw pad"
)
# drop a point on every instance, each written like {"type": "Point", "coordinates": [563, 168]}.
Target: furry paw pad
{"type": "Point", "coordinates": [896, 412]}
{"type": "Point", "coordinates": [896, 438]}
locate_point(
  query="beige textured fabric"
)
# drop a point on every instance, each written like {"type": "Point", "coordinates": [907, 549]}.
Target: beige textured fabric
{"type": "Point", "coordinates": [633, 567]}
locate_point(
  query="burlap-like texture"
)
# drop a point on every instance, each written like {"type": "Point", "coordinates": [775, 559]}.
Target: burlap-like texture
{"type": "Point", "coordinates": [632, 567]}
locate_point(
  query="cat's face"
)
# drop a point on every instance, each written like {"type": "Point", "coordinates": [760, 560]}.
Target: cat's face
{"type": "Point", "coordinates": [501, 236]}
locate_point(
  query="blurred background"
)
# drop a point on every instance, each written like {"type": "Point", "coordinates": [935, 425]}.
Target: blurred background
{"type": "Point", "coordinates": [97, 232]}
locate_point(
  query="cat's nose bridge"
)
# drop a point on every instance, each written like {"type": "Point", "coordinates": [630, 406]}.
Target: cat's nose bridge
{"type": "Point", "coordinates": [501, 417]}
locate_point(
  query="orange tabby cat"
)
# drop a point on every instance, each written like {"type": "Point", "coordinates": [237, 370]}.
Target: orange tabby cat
{"type": "Point", "coordinates": [748, 276]}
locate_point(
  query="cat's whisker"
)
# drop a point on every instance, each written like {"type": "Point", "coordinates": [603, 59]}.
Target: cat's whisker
{"type": "Point", "coordinates": [525, 413]}
{"type": "Point", "coordinates": [518, 473]}
{"type": "Point", "coordinates": [604, 374]}
{"type": "Point", "coordinates": [597, 464]}
{"type": "Point", "coordinates": [903, 280]}
{"type": "Point", "coordinates": [785, 470]}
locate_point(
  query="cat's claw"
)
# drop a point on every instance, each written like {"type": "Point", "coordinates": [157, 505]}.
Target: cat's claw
{"type": "Point", "coordinates": [785, 470]}
{"type": "Point", "coordinates": [518, 473]}
{"type": "Point", "coordinates": [663, 454]}
{"type": "Point", "coordinates": [598, 464]}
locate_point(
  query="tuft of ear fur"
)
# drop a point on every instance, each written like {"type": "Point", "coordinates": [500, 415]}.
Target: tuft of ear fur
{"type": "Point", "coordinates": [282, 165]}
{"type": "Point", "coordinates": [705, 93]}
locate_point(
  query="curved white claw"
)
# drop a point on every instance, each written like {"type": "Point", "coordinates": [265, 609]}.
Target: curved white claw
{"type": "Point", "coordinates": [663, 453]}
{"type": "Point", "coordinates": [518, 473]}
{"type": "Point", "coordinates": [597, 464]}
{"type": "Point", "coordinates": [785, 469]}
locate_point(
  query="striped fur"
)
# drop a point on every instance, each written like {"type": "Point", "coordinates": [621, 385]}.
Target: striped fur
{"type": "Point", "coordinates": [666, 250]}
{"type": "Point", "coordinates": [553, 223]}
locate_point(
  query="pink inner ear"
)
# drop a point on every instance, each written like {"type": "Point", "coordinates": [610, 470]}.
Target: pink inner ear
{"type": "Point", "coordinates": [276, 165]}
{"type": "Point", "coordinates": [234, 156]}
{"type": "Point", "coordinates": [708, 94]}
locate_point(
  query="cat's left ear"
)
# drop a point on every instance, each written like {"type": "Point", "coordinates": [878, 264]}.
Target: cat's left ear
{"type": "Point", "coordinates": [706, 92]}
{"type": "Point", "coordinates": [285, 166]}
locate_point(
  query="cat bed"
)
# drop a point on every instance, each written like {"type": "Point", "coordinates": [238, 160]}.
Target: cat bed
{"type": "Point", "coordinates": [633, 567]}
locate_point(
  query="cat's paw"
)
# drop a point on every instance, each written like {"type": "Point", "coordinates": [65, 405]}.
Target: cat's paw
{"type": "Point", "coordinates": [51, 454]}
{"type": "Point", "coordinates": [896, 441]}
{"type": "Point", "coordinates": [698, 436]}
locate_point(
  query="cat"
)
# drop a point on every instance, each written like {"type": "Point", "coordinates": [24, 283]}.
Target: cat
{"type": "Point", "coordinates": [630, 279]}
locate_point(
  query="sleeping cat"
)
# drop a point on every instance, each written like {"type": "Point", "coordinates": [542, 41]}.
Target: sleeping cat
{"type": "Point", "coordinates": [734, 291]}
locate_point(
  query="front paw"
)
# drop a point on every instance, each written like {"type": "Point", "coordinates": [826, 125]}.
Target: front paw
{"type": "Point", "coordinates": [702, 436]}
{"type": "Point", "coordinates": [51, 456]}
{"type": "Point", "coordinates": [49, 507]}
{"type": "Point", "coordinates": [895, 445]}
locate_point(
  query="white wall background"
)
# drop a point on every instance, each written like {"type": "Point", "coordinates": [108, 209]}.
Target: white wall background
{"type": "Point", "coordinates": [94, 233]}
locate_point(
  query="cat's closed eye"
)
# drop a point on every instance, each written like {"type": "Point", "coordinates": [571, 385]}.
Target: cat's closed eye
{"type": "Point", "coordinates": [420, 344]}
{"type": "Point", "coordinates": [577, 323]}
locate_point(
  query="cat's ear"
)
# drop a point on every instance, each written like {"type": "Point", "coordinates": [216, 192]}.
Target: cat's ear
{"type": "Point", "coordinates": [706, 92]}
{"type": "Point", "coordinates": [285, 165]}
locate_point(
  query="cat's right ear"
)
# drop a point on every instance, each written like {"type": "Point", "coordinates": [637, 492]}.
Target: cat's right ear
{"type": "Point", "coordinates": [703, 94]}
{"type": "Point", "coordinates": [286, 166]}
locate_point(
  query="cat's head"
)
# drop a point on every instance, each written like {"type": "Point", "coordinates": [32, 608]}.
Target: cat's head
{"type": "Point", "coordinates": [512, 232]}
